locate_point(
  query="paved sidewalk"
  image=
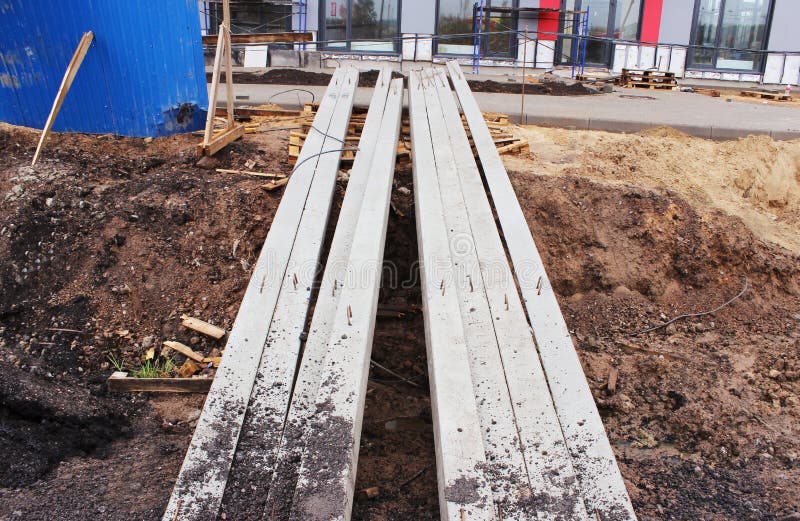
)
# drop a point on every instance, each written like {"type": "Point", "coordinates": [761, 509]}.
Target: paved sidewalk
{"type": "Point", "coordinates": [624, 110]}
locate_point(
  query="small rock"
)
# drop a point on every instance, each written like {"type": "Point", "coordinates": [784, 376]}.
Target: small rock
{"type": "Point", "coordinates": [49, 202]}
{"type": "Point", "coordinates": [403, 191]}
{"type": "Point", "coordinates": [707, 338]}
{"type": "Point", "coordinates": [194, 340]}
{"type": "Point", "coordinates": [208, 163]}
{"type": "Point", "coordinates": [607, 88]}
{"type": "Point", "coordinates": [192, 415]}
{"type": "Point", "coordinates": [774, 373]}
{"type": "Point", "coordinates": [147, 342]}
{"type": "Point", "coordinates": [671, 329]}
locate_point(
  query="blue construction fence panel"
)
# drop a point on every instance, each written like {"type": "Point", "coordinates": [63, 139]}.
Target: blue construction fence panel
{"type": "Point", "coordinates": [143, 76]}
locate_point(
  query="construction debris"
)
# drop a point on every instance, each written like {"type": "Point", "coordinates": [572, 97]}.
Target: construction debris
{"type": "Point", "coordinates": [184, 350]}
{"type": "Point", "coordinates": [202, 327]}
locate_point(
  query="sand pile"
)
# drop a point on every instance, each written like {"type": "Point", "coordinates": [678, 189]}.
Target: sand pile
{"type": "Point", "coordinates": [754, 178]}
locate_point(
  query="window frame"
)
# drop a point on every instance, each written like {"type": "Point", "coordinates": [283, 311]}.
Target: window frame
{"type": "Point", "coordinates": [612, 17]}
{"type": "Point", "coordinates": [348, 47]}
{"type": "Point", "coordinates": [513, 48]}
{"type": "Point", "coordinates": [691, 65]}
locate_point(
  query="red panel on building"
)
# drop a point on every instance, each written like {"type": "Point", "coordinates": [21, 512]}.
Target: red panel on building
{"type": "Point", "coordinates": [548, 21]}
{"type": "Point", "coordinates": [651, 20]}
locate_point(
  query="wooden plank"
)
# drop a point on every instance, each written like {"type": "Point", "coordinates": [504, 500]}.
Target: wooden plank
{"type": "Point", "coordinates": [61, 94]}
{"type": "Point", "coordinates": [201, 326]}
{"type": "Point", "coordinates": [120, 382]}
{"type": "Point", "coordinates": [220, 140]}
{"type": "Point", "coordinates": [247, 38]}
{"type": "Point", "coordinates": [548, 463]}
{"type": "Point", "coordinates": [276, 369]}
{"type": "Point", "coordinates": [250, 112]}
{"type": "Point", "coordinates": [185, 350]}
{"type": "Point", "coordinates": [275, 184]}
{"type": "Point", "coordinates": [203, 476]}
{"type": "Point", "coordinates": [464, 493]}
{"type": "Point", "coordinates": [213, 92]}
{"type": "Point", "coordinates": [226, 23]}
{"type": "Point", "coordinates": [332, 438]}
{"type": "Point", "coordinates": [505, 465]}
{"type": "Point", "coordinates": [308, 381]}
{"type": "Point", "coordinates": [249, 172]}
{"type": "Point", "coordinates": [601, 482]}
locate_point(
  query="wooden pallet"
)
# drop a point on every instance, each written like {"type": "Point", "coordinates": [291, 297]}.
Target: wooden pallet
{"type": "Point", "coordinates": [651, 86]}
{"type": "Point", "coordinates": [652, 79]}
{"type": "Point", "coordinates": [776, 96]}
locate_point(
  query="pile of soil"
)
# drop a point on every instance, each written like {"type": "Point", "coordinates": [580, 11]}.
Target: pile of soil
{"type": "Point", "coordinates": [300, 77]}
{"type": "Point", "coordinates": [110, 234]}
{"type": "Point", "coordinates": [755, 179]}
{"type": "Point", "coordinates": [368, 78]}
{"type": "Point", "coordinates": [547, 87]}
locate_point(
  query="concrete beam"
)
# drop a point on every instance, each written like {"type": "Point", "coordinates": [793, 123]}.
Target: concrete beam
{"type": "Point", "coordinates": [460, 457]}
{"type": "Point", "coordinates": [203, 476]}
{"type": "Point", "coordinates": [547, 460]}
{"type": "Point", "coordinates": [593, 458]}
{"type": "Point", "coordinates": [333, 435]}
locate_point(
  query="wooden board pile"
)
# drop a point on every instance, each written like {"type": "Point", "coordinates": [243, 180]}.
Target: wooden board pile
{"type": "Point", "coordinates": [648, 79]}
{"type": "Point", "coordinates": [502, 132]}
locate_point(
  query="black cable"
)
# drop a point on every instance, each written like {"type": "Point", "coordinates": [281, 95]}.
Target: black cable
{"type": "Point", "coordinates": [313, 98]}
{"type": "Point", "coordinates": [690, 315]}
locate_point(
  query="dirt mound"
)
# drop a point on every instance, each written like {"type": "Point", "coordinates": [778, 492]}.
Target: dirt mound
{"type": "Point", "coordinates": [754, 178]}
{"type": "Point", "coordinates": [547, 87]}
{"type": "Point", "coordinates": [705, 412]}
{"type": "Point", "coordinates": [300, 77]}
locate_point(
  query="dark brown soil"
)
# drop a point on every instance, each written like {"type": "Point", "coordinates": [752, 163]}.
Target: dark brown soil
{"type": "Point", "coordinates": [548, 88]}
{"type": "Point", "coordinates": [368, 78]}
{"type": "Point", "coordinates": [111, 234]}
{"type": "Point", "coordinates": [704, 419]}
{"type": "Point", "coordinates": [299, 77]}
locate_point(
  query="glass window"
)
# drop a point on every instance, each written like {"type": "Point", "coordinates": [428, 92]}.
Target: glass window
{"type": "Point", "coordinates": [455, 18]}
{"type": "Point", "coordinates": [269, 17]}
{"type": "Point", "coordinates": [726, 32]}
{"type": "Point", "coordinates": [336, 24]}
{"type": "Point", "coordinates": [626, 19]}
{"type": "Point", "coordinates": [607, 20]}
{"type": "Point", "coordinates": [455, 28]}
{"type": "Point", "coordinates": [362, 25]}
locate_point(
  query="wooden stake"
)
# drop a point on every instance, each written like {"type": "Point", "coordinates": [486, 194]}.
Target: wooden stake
{"type": "Point", "coordinates": [66, 83]}
{"type": "Point", "coordinates": [524, 63]}
{"type": "Point", "coordinates": [212, 101]}
{"type": "Point", "coordinates": [226, 21]}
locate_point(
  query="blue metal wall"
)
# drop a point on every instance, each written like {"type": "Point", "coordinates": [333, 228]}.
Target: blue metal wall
{"type": "Point", "coordinates": [143, 75]}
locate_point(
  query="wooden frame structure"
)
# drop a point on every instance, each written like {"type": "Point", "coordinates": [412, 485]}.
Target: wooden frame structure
{"type": "Point", "coordinates": [213, 143]}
